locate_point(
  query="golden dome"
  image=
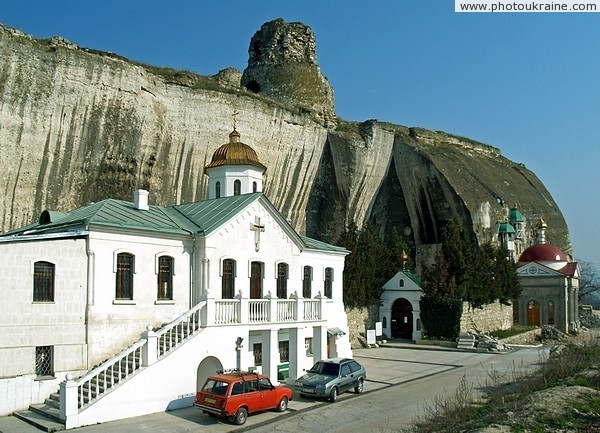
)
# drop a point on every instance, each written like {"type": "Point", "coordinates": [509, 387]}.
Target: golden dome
{"type": "Point", "coordinates": [234, 153]}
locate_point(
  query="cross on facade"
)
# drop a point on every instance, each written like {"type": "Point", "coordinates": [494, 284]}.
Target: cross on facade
{"type": "Point", "coordinates": [257, 227]}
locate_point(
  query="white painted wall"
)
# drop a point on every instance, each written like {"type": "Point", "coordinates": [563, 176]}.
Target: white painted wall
{"type": "Point", "coordinates": [227, 175]}
{"type": "Point", "coordinates": [117, 324]}
{"type": "Point", "coordinates": [393, 291]}
{"type": "Point", "coordinates": [25, 324]}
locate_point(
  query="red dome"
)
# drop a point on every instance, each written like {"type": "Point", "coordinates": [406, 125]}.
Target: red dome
{"type": "Point", "coordinates": [542, 253]}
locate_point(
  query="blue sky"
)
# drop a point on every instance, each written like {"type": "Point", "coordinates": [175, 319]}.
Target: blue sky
{"type": "Point", "coordinates": [528, 84]}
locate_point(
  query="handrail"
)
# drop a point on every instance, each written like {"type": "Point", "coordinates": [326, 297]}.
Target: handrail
{"type": "Point", "coordinates": [125, 363]}
{"type": "Point", "coordinates": [179, 330]}
{"type": "Point", "coordinates": [122, 365]}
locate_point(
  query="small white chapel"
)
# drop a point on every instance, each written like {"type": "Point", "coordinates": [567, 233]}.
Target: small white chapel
{"type": "Point", "coordinates": [125, 298]}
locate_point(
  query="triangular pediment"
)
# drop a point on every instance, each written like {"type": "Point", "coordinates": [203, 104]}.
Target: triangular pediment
{"type": "Point", "coordinates": [534, 269]}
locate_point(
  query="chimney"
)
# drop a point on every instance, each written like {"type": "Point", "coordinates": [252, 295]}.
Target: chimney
{"type": "Point", "coordinates": [140, 199]}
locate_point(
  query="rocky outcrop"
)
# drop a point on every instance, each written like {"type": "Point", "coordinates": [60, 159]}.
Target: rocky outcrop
{"type": "Point", "coordinates": [77, 126]}
{"type": "Point", "coordinates": [282, 65]}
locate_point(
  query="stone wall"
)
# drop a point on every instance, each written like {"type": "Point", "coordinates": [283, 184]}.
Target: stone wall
{"type": "Point", "coordinates": [359, 320]}
{"type": "Point", "coordinates": [489, 318]}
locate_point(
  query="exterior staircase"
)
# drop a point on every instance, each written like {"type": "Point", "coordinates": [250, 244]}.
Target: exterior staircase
{"type": "Point", "coordinates": [44, 416]}
{"type": "Point", "coordinates": [152, 347]}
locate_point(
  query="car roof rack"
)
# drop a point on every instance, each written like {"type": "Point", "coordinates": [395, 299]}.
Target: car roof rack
{"type": "Point", "coordinates": [238, 372]}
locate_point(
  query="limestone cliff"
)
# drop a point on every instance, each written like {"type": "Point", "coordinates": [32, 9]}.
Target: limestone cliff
{"type": "Point", "coordinates": [77, 126]}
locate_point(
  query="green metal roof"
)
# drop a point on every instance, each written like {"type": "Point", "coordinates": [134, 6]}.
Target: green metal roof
{"type": "Point", "coordinates": [201, 217]}
{"type": "Point", "coordinates": [412, 276]}
{"type": "Point", "coordinates": [207, 215]}
{"type": "Point", "coordinates": [109, 212]}
{"type": "Point", "coordinates": [505, 228]}
{"type": "Point", "coordinates": [314, 244]}
{"type": "Point", "coordinates": [514, 216]}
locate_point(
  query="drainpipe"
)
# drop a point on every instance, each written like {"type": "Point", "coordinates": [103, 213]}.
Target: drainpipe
{"type": "Point", "coordinates": [192, 270]}
{"type": "Point", "coordinates": [89, 292]}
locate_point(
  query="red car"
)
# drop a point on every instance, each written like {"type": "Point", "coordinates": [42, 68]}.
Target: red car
{"type": "Point", "coordinates": [236, 394]}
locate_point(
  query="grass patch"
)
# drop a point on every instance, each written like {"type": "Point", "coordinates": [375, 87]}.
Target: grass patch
{"type": "Point", "coordinates": [577, 364]}
{"type": "Point", "coordinates": [515, 330]}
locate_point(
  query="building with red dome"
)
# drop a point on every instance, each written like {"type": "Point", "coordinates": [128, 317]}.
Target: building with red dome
{"type": "Point", "coordinates": [550, 286]}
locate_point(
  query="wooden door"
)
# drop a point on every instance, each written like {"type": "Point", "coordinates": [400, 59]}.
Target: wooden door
{"type": "Point", "coordinates": [533, 313]}
{"type": "Point", "coordinates": [256, 280]}
{"type": "Point", "coordinates": [402, 319]}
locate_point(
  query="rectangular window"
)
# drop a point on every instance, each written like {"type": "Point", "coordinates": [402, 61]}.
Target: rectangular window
{"type": "Point", "coordinates": [307, 283]}
{"type": "Point", "coordinates": [328, 287]}
{"type": "Point", "coordinates": [44, 361]}
{"type": "Point", "coordinates": [165, 278]}
{"type": "Point", "coordinates": [124, 283]}
{"type": "Point", "coordinates": [284, 351]}
{"type": "Point", "coordinates": [257, 351]}
{"type": "Point", "coordinates": [282, 275]}
{"type": "Point", "coordinates": [43, 282]}
{"type": "Point", "coordinates": [228, 279]}
{"type": "Point", "coordinates": [308, 342]}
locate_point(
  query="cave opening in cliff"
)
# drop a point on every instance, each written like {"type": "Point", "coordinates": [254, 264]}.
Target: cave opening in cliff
{"type": "Point", "coordinates": [253, 86]}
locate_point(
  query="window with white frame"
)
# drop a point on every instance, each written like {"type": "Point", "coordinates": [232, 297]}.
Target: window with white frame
{"type": "Point", "coordinates": [165, 278]}
{"type": "Point", "coordinates": [328, 284]}
{"type": "Point", "coordinates": [43, 282]}
{"type": "Point", "coordinates": [124, 277]}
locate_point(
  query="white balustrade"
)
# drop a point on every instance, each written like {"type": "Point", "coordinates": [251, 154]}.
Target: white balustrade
{"type": "Point", "coordinates": [285, 310]}
{"type": "Point", "coordinates": [226, 312]}
{"type": "Point", "coordinates": [259, 311]}
{"type": "Point", "coordinates": [312, 309]}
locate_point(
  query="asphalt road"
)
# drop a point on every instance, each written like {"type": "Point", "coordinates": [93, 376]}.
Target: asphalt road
{"type": "Point", "coordinates": [402, 382]}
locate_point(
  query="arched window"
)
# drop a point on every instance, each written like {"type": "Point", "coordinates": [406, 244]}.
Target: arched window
{"type": "Point", "coordinates": [254, 187]}
{"type": "Point", "coordinates": [237, 187]}
{"type": "Point", "coordinates": [165, 278]}
{"type": "Point", "coordinates": [551, 319]}
{"type": "Point", "coordinates": [328, 286]}
{"type": "Point", "coordinates": [228, 279]}
{"type": "Point", "coordinates": [401, 282]}
{"type": "Point", "coordinates": [218, 190]}
{"type": "Point", "coordinates": [282, 276]}
{"type": "Point", "coordinates": [307, 282]}
{"type": "Point", "coordinates": [43, 282]}
{"type": "Point", "coordinates": [124, 283]}
{"type": "Point", "coordinates": [533, 313]}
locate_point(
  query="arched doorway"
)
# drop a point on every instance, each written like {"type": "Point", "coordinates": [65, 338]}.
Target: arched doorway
{"type": "Point", "coordinates": [533, 313]}
{"type": "Point", "coordinates": [209, 366]}
{"type": "Point", "coordinates": [402, 319]}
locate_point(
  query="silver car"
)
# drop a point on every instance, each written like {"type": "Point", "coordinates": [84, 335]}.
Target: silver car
{"type": "Point", "coordinates": [330, 377]}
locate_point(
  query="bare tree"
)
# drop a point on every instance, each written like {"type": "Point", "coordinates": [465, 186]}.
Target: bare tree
{"type": "Point", "coordinates": [589, 283]}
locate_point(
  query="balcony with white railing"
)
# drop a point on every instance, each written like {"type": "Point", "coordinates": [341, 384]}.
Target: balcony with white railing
{"type": "Point", "coordinates": [242, 311]}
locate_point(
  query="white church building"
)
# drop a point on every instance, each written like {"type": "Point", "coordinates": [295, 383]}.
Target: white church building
{"type": "Point", "coordinates": [126, 307]}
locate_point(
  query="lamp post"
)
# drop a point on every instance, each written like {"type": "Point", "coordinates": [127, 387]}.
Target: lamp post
{"type": "Point", "coordinates": [238, 349]}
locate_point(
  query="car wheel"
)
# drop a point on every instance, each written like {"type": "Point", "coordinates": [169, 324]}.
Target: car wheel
{"type": "Point", "coordinates": [240, 416]}
{"type": "Point", "coordinates": [283, 404]}
{"type": "Point", "coordinates": [359, 387]}
{"type": "Point", "coordinates": [334, 395]}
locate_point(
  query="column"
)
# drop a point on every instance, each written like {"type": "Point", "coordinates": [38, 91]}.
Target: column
{"type": "Point", "coordinates": [320, 342]}
{"type": "Point", "coordinates": [270, 353]}
{"type": "Point", "coordinates": [297, 352]}
{"type": "Point", "coordinates": [69, 412]}
{"type": "Point", "coordinates": [150, 349]}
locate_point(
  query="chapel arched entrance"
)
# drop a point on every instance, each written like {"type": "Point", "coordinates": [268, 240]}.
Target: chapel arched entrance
{"type": "Point", "coordinates": [209, 366]}
{"type": "Point", "coordinates": [402, 319]}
